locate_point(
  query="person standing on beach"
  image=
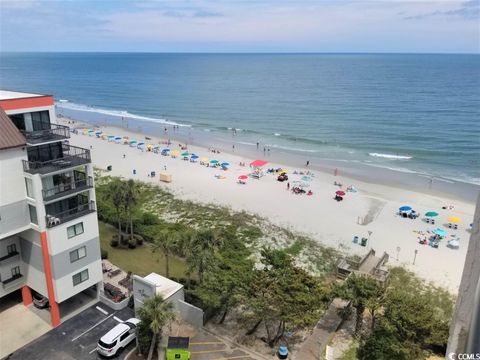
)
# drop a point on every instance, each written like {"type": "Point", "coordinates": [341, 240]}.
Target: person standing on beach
{"type": "Point", "coordinates": [264, 151]}
{"type": "Point", "coordinates": [124, 156]}
{"type": "Point", "coordinates": [308, 163]}
{"type": "Point", "coordinates": [288, 186]}
{"type": "Point", "coordinates": [258, 144]}
{"type": "Point", "coordinates": [233, 147]}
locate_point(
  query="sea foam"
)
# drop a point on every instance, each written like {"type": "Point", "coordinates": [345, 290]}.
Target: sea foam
{"type": "Point", "coordinates": [390, 156]}
{"type": "Point", "coordinates": [65, 104]}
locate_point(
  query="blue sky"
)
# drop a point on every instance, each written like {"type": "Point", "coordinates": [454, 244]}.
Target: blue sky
{"type": "Point", "coordinates": [241, 26]}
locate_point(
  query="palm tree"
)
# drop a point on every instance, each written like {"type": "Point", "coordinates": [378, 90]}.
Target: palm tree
{"type": "Point", "coordinates": [116, 193]}
{"type": "Point", "coordinates": [168, 243]}
{"type": "Point", "coordinates": [130, 201]}
{"type": "Point", "coordinates": [202, 246]}
{"type": "Point", "coordinates": [156, 313]}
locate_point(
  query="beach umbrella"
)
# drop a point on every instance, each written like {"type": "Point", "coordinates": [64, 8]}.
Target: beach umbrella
{"type": "Point", "coordinates": [118, 138]}
{"type": "Point", "coordinates": [185, 153]}
{"type": "Point", "coordinates": [156, 147]}
{"type": "Point", "coordinates": [133, 141]}
{"type": "Point", "coordinates": [340, 193]}
{"type": "Point", "coordinates": [440, 232]}
{"type": "Point", "coordinates": [90, 130]}
{"type": "Point", "coordinates": [214, 161]}
{"type": "Point", "coordinates": [405, 208]}
{"type": "Point", "coordinates": [141, 143]}
{"type": "Point", "coordinates": [149, 146]}
{"type": "Point", "coordinates": [454, 219]}
{"type": "Point", "coordinates": [174, 152]}
{"type": "Point", "coordinates": [225, 164]}
{"type": "Point", "coordinates": [306, 178]}
{"type": "Point", "coordinates": [194, 157]}
{"type": "Point", "coordinates": [98, 132]}
{"type": "Point", "coordinates": [111, 136]}
{"type": "Point", "coordinates": [431, 214]}
{"type": "Point", "coordinates": [243, 177]}
{"type": "Point", "coordinates": [166, 150]}
{"type": "Point", "coordinates": [204, 159]}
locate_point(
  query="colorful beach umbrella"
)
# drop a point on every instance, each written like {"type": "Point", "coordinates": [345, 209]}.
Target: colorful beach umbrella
{"type": "Point", "coordinates": [440, 232]}
{"type": "Point", "coordinates": [194, 157]}
{"type": "Point", "coordinates": [340, 193]}
{"type": "Point", "coordinates": [204, 159]}
{"type": "Point", "coordinates": [243, 177]}
{"type": "Point", "coordinates": [156, 147]}
{"type": "Point", "coordinates": [405, 208]}
{"type": "Point", "coordinates": [454, 219]}
{"type": "Point", "coordinates": [118, 138]}
{"type": "Point", "coordinates": [431, 214]}
{"type": "Point", "coordinates": [185, 153]}
{"type": "Point", "coordinates": [225, 164]}
{"type": "Point", "coordinates": [98, 132]}
{"type": "Point", "coordinates": [166, 150]}
{"type": "Point", "coordinates": [174, 152]}
{"type": "Point", "coordinates": [214, 161]}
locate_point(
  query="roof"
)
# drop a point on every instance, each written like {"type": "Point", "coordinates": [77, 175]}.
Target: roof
{"type": "Point", "coordinates": [10, 136]}
{"type": "Point", "coordinates": [110, 336]}
{"type": "Point", "coordinates": [165, 286]}
{"type": "Point", "coordinates": [258, 163]}
{"type": "Point", "coordinates": [10, 95]}
{"type": "Point", "coordinates": [178, 342]}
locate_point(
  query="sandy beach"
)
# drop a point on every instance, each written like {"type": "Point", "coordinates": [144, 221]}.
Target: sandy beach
{"type": "Point", "coordinates": [370, 212]}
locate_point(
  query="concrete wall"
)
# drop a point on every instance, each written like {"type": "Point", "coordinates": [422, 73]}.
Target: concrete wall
{"type": "Point", "coordinates": [191, 314]}
{"type": "Point", "coordinates": [13, 207]}
{"type": "Point", "coordinates": [33, 262]}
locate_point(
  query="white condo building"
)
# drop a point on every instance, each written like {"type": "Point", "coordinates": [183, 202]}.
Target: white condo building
{"type": "Point", "coordinates": [49, 240]}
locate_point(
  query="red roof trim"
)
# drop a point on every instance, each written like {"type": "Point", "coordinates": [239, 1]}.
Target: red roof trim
{"type": "Point", "coordinates": [27, 102]}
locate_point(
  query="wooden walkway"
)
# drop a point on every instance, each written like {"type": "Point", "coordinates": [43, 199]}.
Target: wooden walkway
{"type": "Point", "coordinates": [314, 347]}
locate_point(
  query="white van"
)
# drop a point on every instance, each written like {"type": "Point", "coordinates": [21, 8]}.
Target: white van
{"type": "Point", "coordinates": [117, 338]}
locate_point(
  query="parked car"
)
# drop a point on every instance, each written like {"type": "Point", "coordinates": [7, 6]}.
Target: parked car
{"type": "Point", "coordinates": [118, 338]}
{"type": "Point", "coordinates": [39, 301]}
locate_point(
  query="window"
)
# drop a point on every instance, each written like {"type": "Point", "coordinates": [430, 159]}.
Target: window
{"type": "Point", "coordinates": [15, 271]}
{"type": "Point", "coordinates": [80, 277]}
{"type": "Point", "coordinates": [33, 214]}
{"type": "Point", "coordinates": [11, 248]}
{"type": "Point", "coordinates": [29, 186]}
{"type": "Point", "coordinates": [75, 230]}
{"type": "Point", "coordinates": [78, 254]}
{"type": "Point", "coordinates": [124, 336]}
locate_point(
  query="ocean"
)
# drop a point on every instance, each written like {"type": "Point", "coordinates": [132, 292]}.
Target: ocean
{"type": "Point", "coordinates": [410, 114]}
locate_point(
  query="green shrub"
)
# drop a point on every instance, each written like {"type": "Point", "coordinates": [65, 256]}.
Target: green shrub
{"type": "Point", "coordinates": [149, 219]}
{"type": "Point", "coordinates": [132, 244]}
{"type": "Point", "coordinates": [138, 239]}
{"type": "Point", "coordinates": [125, 239]}
{"type": "Point", "coordinates": [113, 243]}
{"type": "Point", "coordinates": [104, 253]}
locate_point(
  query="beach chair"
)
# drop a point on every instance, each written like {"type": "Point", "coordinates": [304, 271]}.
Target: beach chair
{"type": "Point", "coordinates": [427, 220]}
{"type": "Point", "coordinates": [355, 239]}
{"type": "Point", "coordinates": [455, 227]}
{"type": "Point", "coordinates": [449, 225]}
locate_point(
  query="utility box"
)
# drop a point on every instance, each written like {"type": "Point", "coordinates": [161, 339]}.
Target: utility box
{"type": "Point", "coordinates": [178, 348]}
{"type": "Point", "coordinates": [165, 177]}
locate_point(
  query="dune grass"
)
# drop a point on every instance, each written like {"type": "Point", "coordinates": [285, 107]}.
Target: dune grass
{"type": "Point", "coordinates": [140, 261]}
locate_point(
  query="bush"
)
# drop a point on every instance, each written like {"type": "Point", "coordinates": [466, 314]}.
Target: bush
{"type": "Point", "coordinates": [104, 253]}
{"type": "Point", "coordinates": [113, 243]}
{"type": "Point", "coordinates": [132, 244]}
{"type": "Point", "coordinates": [138, 239]}
{"type": "Point", "coordinates": [149, 219]}
{"type": "Point", "coordinates": [125, 239]}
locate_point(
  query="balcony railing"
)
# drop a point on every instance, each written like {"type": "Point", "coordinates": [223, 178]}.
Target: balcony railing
{"type": "Point", "coordinates": [9, 255]}
{"type": "Point", "coordinates": [67, 189]}
{"type": "Point", "coordinates": [64, 216]}
{"type": "Point", "coordinates": [6, 283]}
{"type": "Point", "coordinates": [55, 133]}
{"type": "Point", "coordinates": [72, 156]}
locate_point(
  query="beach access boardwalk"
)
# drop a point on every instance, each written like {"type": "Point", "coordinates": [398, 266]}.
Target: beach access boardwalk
{"type": "Point", "coordinates": [314, 347]}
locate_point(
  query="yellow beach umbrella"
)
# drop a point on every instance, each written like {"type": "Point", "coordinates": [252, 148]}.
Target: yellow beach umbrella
{"type": "Point", "coordinates": [204, 159]}
{"type": "Point", "coordinates": [174, 152]}
{"type": "Point", "coordinates": [149, 146]}
{"type": "Point", "coordinates": [454, 219]}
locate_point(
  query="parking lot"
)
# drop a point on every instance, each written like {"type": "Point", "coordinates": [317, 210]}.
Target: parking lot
{"type": "Point", "coordinates": [77, 337]}
{"type": "Point", "coordinates": [204, 346]}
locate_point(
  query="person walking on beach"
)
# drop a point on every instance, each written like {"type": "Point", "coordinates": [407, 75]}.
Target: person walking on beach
{"type": "Point", "coordinates": [233, 147]}
{"type": "Point", "coordinates": [124, 156]}
{"type": "Point", "coordinates": [258, 144]}
{"type": "Point", "coordinates": [264, 151]}
{"type": "Point", "coordinates": [288, 186]}
{"type": "Point", "coordinates": [308, 163]}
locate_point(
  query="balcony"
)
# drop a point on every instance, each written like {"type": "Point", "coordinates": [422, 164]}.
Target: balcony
{"type": "Point", "coordinates": [71, 156]}
{"type": "Point", "coordinates": [12, 281]}
{"type": "Point", "coordinates": [53, 220]}
{"type": "Point", "coordinates": [9, 256]}
{"type": "Point", "coordinates": [61, 190]}
{"type": "Point", "coordinates": [54, 133]}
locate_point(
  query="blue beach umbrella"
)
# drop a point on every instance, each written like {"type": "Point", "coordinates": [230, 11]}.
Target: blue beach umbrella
{"type": "Point", "coordinates": [440, 232]}
{"type": "Point", "coordinates": [194, 157]}
{"type": "Point", "coordinates": [166, 150]}
{"type": "Point", "coordinates": [98, 132]}
{"type": "Point", "coordinates": [118, 138]}
{"type": "Point", "coordinates": [405, 208]}
{"type": "Point", "coordinates": [225, 164]}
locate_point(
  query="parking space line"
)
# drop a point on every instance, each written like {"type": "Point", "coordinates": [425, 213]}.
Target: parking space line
{"type": "Point", "coordinates": [234, 357]}
{"type": "Point", "coordinates": [93, 350]}
{"type": "Point", "coordinates": [206, 351]}
{"type": "Point", "coordinates": [119, 320]}
{"type": "Point", "coordinates": [93, 327]}
{"type": "Point", "coordinates": [101, 310]}
{"type": "Point", "coordinates": [207, 343]}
